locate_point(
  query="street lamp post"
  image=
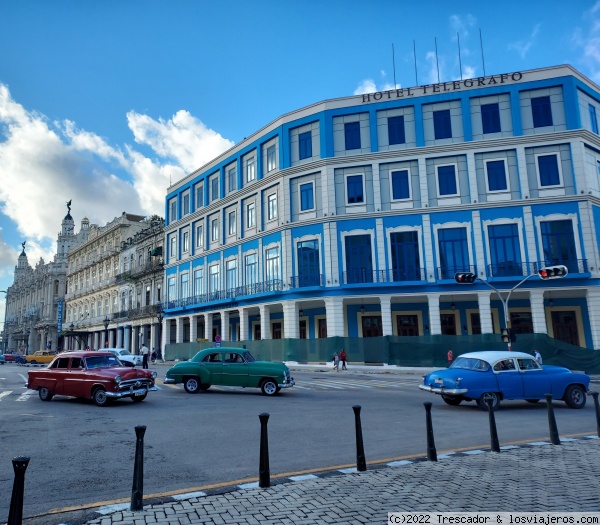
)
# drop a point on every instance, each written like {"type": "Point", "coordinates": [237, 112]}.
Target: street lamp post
{"type": "Point", "coordinates": [160, 316]}
{"type": "Point", "coordinates": [106, 322]}
{"type": "Point", "coordinates": [71, 338]}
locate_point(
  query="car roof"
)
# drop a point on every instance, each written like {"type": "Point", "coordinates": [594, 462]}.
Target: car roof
{"type": "Point", "coordinates": [85, 353]}
{"type": "Point", "coordinates": [495, 355]}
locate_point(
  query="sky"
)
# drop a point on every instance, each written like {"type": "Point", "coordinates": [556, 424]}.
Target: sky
{"type": "Point", "coordinates": [106, 103]}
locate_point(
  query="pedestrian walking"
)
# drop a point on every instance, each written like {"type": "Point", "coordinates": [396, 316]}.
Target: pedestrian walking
{"type": "Point", "coordinates": [336, 362]}
{"type": "Point", "coordinates": [538, 356]}
{"type": "Point", "coordinates": [343, 359]}
{"type": "Point", "coordinates": [153, 355]}
{"type": "Point", "coordinates": [450, 356]}
{"type": "Point", "coordinates": [144, 351]}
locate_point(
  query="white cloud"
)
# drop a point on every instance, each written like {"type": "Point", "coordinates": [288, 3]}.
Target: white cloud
{"type": "Point", "coordinates": [522, 47]}
{"type": "Point", "coordinates": [587, 40]}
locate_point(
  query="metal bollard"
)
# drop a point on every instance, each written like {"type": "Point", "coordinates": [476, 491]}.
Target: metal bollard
{"type": "Point", "coordinates": [431, 452]}
{"type": "Point", "coordinates": [597, 405]}
{"type": "Point", "coordinates": [554, 439]}
{"type": "Point", "coordinates": [137, 490]}
{"type": "Point", "coordinates": [264, 472]}
{"type": "Point", "coordinates": [361, 462]}
{"type": "Point", "coordinates": [494, 443]}
{"type": "Point", "coordinates": [15, 514]}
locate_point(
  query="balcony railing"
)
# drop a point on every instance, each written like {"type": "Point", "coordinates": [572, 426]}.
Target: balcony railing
{"type": "Point", "coordinates": [384, 276]}
{"type": "Point", "coordinates": [303, 281]}
{"type": "Point", "coordinates": [512, 269]}
{"type": "Point", "coordinates": [447, 272]}
{"type": "Point", "coordinates": [139, 272]}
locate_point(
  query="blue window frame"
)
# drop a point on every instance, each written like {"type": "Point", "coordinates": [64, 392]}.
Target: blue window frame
{"type": "Point", "coordinates": [355, 189]}
{"type": "Point", "coordinates": [308, 263]}
{"type": "Point", "coordinates": [400, 185]}
{"type": "Point", "coordinates": [496, 175]}
{"type": "Point", "coordinates": [558, 243]}
{"type": "Point", "coordinates": [593, 119]}
{"type": "Point", "coordinates": [442, 124]}
{"type": "Point", "coordinates": [541, 110]}
{"type": "Point", "coordinates": [359, 263]}
{"type": "Point", "coordinates": [352, 135]}
{"type": "Point", "coordinates": [490, 118]}
{"type": "Point", "coordinates": [396, 133]}
{"type": "Point", "coordinates": [305, 145]}
{"type": "Point", "coordinates": [447, 180]}
{"type": "Point", "coordinates": [548, 170]}
{"type": "Point", "coordinates": [306, 197]}
{"type": "Point", "coordinates": [505, 253]}
{"type": "Point", "coordinates": [200, 195]}
{"type": "Point", "coordinates": [454, 252]}
{"type": "Point", "coordinates": [406, 263]}
{"type": "Point", "coordinates": [214, 188]}
{"type": "Point", "coordinates": [231, 179]}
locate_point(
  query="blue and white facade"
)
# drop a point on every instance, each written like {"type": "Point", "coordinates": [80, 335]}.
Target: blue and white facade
{"type": "Point", "coordinates": [351, 216]}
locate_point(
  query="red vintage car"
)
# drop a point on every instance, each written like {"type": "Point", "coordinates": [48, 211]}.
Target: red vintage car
{"type": "Point", "coordinates": [99, 376]}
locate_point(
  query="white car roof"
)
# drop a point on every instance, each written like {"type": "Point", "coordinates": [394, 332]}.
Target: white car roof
{"type": "Point", "coordinates": [491, 356]}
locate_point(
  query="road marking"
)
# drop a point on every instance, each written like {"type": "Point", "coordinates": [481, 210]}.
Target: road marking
{"type": "Point", "coordinates": [5, 393]}
{"type": "Point", "coordinates": [24, 396]}
{"type": "Point", "coordinates": [324, 385]}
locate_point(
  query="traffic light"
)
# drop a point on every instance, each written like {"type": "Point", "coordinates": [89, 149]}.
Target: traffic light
{"type": "Point", "coordinates": [508, 336]}
{"type": "Point", "coordinates": [553, 272]}
{"type": "Point", "coordinates": [465, 278]}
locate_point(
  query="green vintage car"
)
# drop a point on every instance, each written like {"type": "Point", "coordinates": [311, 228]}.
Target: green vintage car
{"type": "Point", "coordinates": [232, 367]}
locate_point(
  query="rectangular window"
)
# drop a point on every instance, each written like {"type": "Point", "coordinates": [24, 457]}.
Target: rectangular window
{"type": "Point", "coordinates": [352, 135]}
{"type": "Point", "coordinates": [171, 291]}
{"type": "Point", "coordinates": [558, 243]}
{"type": "Point", "coordinates": [359, 260]}
{"type": "Point", "coordinates": [185, 204]}
{"type": "Point", "coordinates": [214, 229]}
{"type": "Point", "coordinates": [200, 195]}
{"type": "Point", "coordinates": [199, 281]}
{"type": "Point", "coordinates": [447, 184]}
{"type": "Point", "coordinates": [173, 210]}
{"type": "Point", "coordinates": [185, 242]}
{"type": "Point", "coordinates": [548, 170]}
{"type": "Point", "coordinates": [232, 223]}
{"type": "Point", "coordinates": [496, 175]}
{"type": "Point", "coordinates": [251, 215]}
{"type": "Point", "coordinates": [272, 207]}
{"type": "Point", "coordinates": [272, 264]}
{"type": "Point", "coordinates": [400, 185]}
{"type": "Point", "coordinates": [306, 197]}
{"type": "Point", "coordinates": [396, 130]}
{"type": "Point", "coordinates": [173, 246]}
{"type": "Point", "coordinates": [308, 264]}
{"type": "Point", "coordinates": [231, 274]}
{"type": "Point", "coordinates": [454, 252]}
{"type": "Point", "coordinates": [271, 158]}
{"type": "Point", "coordinates": [505, 253]}
{"type": "Point", "coordinates": [354, 186]}
{"type": "Point", "coordinates": [231, 179]}
{"type": "Point", "coordinates": [442, 124]}
{"type": "Point", "coordinates": [490, 118]}
{"type": "Point", "coordinates": [305, 145]}
{"type": "Point", "coordinates": [251, 170]}
{"type": "Point", "coordinates": [213, 278]}
{"type": "Point", "coordinates": [541, 110]}
{"type": "Point", "coordinates": [185, 286]}
{"type": "Point", "coordinates": [406, 262]}
{"type": "Point", "coordinates": [250, 272]}
{"type": "Point", "coordinates": [214, 188]}
{"type": "Point", "coordinates": [199, 236]}
{"type": "Point", "coordinates": [593, 119]}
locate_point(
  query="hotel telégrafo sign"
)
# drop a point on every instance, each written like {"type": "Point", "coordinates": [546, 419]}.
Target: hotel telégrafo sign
{"type": "Point", "coordinates": [442, 87]}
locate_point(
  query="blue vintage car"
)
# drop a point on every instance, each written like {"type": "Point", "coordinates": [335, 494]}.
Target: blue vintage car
{"type": "Point", "coordinates": [498, 375]}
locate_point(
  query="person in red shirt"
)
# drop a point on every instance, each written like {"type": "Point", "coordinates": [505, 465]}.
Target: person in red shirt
{"type": "Point", "coordinates": [450, 356]}
{"type": "Point", "coordinates": [343, 358]}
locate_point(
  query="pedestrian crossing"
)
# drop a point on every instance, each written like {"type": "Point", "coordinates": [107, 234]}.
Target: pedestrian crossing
{"type": "Point", "coordinates": [13, 395]}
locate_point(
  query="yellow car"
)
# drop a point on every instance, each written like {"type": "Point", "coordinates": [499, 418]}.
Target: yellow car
{"type": "Point", "coordinates": [41, 356]}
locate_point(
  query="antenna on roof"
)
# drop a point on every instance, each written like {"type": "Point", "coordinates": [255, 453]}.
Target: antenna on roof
{"type": "Point", "coordinates": [436, 59]}
{"type": "Point", "coordinates": [482, 57]}
{"type": "Point", "coordinates": [415, 56]}
{"type": "Point", "coordinates": [394, 63]}
{"type": "Point", "coordinates": [459, 61]}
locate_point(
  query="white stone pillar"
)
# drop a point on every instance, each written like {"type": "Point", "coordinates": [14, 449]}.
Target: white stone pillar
{"type": "Point", "coordinates": [538, 312]}
{"type": "Point", "coordinates": [485, 312]}
{"type": "Point", "coordinates": [166, 334]}
{"type": "Point", "coordinates": [244, 336]}
{"type": "Point", "coordinates": [290, 320]}
{"type": "Point", "coordinates": [119, 337]}
{"type": "Point", "coordinates": [265, 322]}
{"type": "Point", "coordinates": [179, 329]}
{"type": "Point", "coordinates": [225, 335]}
{"type": "Point", "coordinates": [193, 328]}
{"type": "Point", "coordinates": [208, 323]}
{"type": "Point", "coordinates": [127, 338]}
{"type": "Point", "coordinates": [386, 315]}
{"type": "Point", "coordinates": [334, 309]}
{"type": "Point", "coordinates": [435, 323]}
{"type": "Point", "coordinates": [152, 345]}
{"type": "Point", "coordinates": [593, 307]}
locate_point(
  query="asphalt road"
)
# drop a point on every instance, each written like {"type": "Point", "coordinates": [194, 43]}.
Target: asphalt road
{"type": "Point", "coordinates": [82, 454]}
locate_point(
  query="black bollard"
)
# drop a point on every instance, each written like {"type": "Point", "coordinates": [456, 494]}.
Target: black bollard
{"type": "Point", "coordinates": [554, 439]}
{"type": "Point", "coordinates": [137, 490]}
{"type": "Point", "coordinates": [361, 462]}
{"type": "Point", "coordinates": [431, 452]}
{"type": "Point", "coordinates": [597, 405]}
{"type": "Point", "coordinates": [264, 472]}
{"type": "Point", "coordinates": [494, 443]}
{"type": "Point", "coordinates": [15, 514]}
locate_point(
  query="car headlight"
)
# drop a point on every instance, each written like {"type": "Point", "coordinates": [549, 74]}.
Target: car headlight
{"type": "Point", "coordinates": [458, 380]}
{"type": "Point", "coordinates": [153, 375]}
{"type": "Point", "coordinates": [118, 380]}
{"type": "Point", "coordinates": [439, 381]}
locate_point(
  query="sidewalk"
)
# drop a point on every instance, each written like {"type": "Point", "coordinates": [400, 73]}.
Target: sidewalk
{"type": "Point", "coordinates": [534, 477]}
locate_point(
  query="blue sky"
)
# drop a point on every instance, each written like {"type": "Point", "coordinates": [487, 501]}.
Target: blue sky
{"type": "Point", "coordinates": [105, 102]}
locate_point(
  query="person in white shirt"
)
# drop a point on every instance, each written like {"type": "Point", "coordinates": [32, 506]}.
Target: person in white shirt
{"type": "Point", "coordinates": [144, 351]}
{"type": "Point", "coordinates": [538, 356]}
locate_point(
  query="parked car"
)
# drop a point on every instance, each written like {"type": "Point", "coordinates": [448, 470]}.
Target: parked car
{"type": "Point", "coordinates": [229, 366]}
{"type": "Point", "coordinates": [498, 375]}
{"type": "Point", "coordinates": [20, 360]}
{"type": "Point", "coordinates": [41, 356]}
{"type": "Point", "coordinates": [99, 376]}
{"type": "Point", "coordinates": [11, 356]}
{"type": "Point", "coordinates": [2, 361]}
{"type": "Point", "coordinates": [125, 356]}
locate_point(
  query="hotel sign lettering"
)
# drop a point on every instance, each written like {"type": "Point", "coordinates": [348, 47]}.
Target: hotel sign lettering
{"type": "Point", "coordinates": [443, 87]}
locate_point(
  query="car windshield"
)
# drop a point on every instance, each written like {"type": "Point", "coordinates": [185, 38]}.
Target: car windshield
{"type": "Point", "coordinates": [470, 363]}
{"type": "Point", "coordinates": [249, 357]}
{"type": "Point", "coordinates": [101, 361]}
{"type": "Point", "coordinates": [124, 352]}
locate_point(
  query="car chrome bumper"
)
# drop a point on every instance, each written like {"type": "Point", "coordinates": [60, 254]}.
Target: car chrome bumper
{"type": "Point", "coordinates": [169, 381]}
{"type": "Point", "coordinates": [445, 391]}
{"type": "Point", "coordinates": [131, 392]}
{"type": "Point", "coordinates": [288, 384]}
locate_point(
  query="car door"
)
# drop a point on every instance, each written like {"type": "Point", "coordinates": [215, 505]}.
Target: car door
{"type": "Point", "coordinates": [509, 379]}
{"type": "Point", "coordinates": [75, 380]}
{"type": "Point", "coordinates": [536, 382]}
{"type": "Point", "coordinates": [213, 363]}
{"type": "Point", "coordinates": [55, 377]}
{"type": "Point", "coordinates": [235, 370]}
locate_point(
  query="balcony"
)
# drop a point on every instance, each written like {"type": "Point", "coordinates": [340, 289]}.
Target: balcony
{"type": "Point", "coordinates": [304, 281]}
{"type": "Point", "coordinates": [398, 275]}
{"type": "Point", "coordinates": [139, 271]}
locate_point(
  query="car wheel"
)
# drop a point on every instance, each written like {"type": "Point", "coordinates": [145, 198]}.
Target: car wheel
{"type": "Point", "coordinates": [33, 362]}
{"type": "Point", "coordinates": [191, 385]}
{"type": "Point", "coordinates": [575, 397]}
{"type": "Point", "coordinates": [45, 394]}
{"type": "Point", "coordinates": [100, 397]}
{"type": "Point", "coordinates": [452, 400]}
{"type": "Point", "coordinates": [138, 399]}
{"type": "Point", "coordinates": [532, 401]}
{"type": "Point", "coordinates": [488, 395]}
{"type": "Point", "coordinates": [269, 387]}
{"type": "Point", "coordinates": [204, 388]}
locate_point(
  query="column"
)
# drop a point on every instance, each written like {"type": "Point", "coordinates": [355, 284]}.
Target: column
{"type": "Point", "coordinates": [193, 328]}
{"type": "Point", "coordinates": [435, 323]}
{"type": "Point", "coordinates": [386, 315]}
{"type": "Point", "coordinates": [153, 342]}
{"type": "Point", "coordinates": [179, 329]}
{"type": "Point", "coordinates": [290, 320]}
{"type": "Point", "coordinates": [538, 312]}
{"type": "Point", "coordinates": [166, 335]}
{"type": "Point", "coordinates": [225, 335]}
{"type": "Point", "coordinates": [119, 337]}
{"type": "Point", "coordinates": [244, 324]}
{"type": "Point", "coordinates": [593, 298]}
{"type": "Point", "coordinates": [208, 323]}
{"type": "Point", "coordinates": [265, 322]}
{"type": "Point", "coordinates": [127, 338]}
{"type": "Point", "coordinates": [485, 312]}
{"type": "Point", "coordinates": [334, 308]}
